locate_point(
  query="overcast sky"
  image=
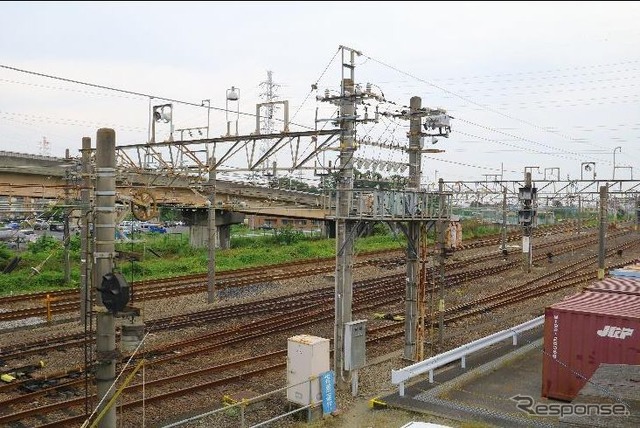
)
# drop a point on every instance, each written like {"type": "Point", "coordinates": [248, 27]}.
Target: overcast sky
{"type": "Point", "coordinates": [548, 84]}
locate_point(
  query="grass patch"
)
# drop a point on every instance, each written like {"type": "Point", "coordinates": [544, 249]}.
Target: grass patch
{"type": "Point", "coordinates": [169, 255]}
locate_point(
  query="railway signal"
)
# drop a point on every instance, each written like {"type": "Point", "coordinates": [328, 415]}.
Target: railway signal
{"type": "Point", "coordinates": [115, 292]}
{"type": "Point", "coordinates": [527, 216]}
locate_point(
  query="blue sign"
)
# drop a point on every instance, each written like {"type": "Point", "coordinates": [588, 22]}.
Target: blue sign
{"type": "Point", "coordinates": [327, 388]}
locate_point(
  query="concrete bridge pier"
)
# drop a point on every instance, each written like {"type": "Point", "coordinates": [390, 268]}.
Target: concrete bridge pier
{"type": "Point", "coordinates": [329, 229]}
{"type": "Point", "coordinates": [197, 219]}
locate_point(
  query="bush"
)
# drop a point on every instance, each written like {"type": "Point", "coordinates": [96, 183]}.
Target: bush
{"type": "Point", "coordinates": [74, 243]}
{"type": "Point", "coordinates": [133, 270]}
{"type": "Point", "coordinates": [287, 235]}
{"type": "Point", "coordinates": [6, 255]}
{"type": "Point", "coordinates": [380, 229]}
{"type": "Point", "coordinates": [45, 243]}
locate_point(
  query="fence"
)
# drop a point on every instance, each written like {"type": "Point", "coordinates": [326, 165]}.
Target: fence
{"type": "Point", "coordinates": [243, 404]}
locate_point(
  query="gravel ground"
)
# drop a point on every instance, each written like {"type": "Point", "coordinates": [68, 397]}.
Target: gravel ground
{"type": "Point", "coordinates": [374, 379]}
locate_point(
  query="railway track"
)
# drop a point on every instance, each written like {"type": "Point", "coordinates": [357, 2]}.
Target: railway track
{"type": "Point", "coordinates": [68, 301]}
{"type": "Point", "coordinates": [312, 312]}
{"type": "Point", "coordinates": [16, 351]}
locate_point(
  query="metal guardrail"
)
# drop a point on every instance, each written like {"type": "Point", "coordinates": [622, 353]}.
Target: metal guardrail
{"type": "Point", "coordinates": [399, 377]}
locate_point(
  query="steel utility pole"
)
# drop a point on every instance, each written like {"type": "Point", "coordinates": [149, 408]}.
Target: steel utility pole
{"type": "Point", "coordinates": [103, 256]}
{"type": "Point", "coordinates": [413, 242]}
{"type": "Point", "coordinates": [603, 230]}
{"type": "Point", "coordinates": [344, 227]}
{"type": "Point", "coordinates": [211, 233]}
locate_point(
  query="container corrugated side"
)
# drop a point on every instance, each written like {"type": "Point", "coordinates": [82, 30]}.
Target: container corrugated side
{"type": "Point", "coordinates": [621, 285]}
{"type": "Point", "coordinates": [583, 331]}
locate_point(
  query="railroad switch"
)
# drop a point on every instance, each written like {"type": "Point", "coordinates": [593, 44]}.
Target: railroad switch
{"type": "Point", "coordinates": [389, 317]}
{"type": "Point", "coordinates": [20, 372]}
{"type": "Point", "coordinates": [376, 403]}
{"type": "Point", "coordinates": [241, 397]}
{"type": "Point", "coordinates": [7, 378]}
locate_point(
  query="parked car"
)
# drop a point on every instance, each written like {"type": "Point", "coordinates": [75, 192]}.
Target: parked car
{"type": "Point", "coordinates": [156, 228]}
{"type": "Point", "coordinates": [153, 227]}
{"type": "Point", "coordinates": [56, 226]}
{"type": "Point", "coordinates": [41, 225]}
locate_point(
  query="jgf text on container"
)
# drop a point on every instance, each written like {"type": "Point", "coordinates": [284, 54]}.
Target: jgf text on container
{"type": "Point", "coordinates": [583, 331]}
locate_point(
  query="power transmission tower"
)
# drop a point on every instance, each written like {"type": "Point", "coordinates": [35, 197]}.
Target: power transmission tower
{"type": "Point", "coordinates": [269, 95]}
{"type": "Point", "coordinates": [267, 124]}
{"type": "Point", "coordinates": [44, 147]}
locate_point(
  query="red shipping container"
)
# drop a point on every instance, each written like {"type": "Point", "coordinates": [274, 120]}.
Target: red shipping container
{"type": "Point", "coordinates": [617, 285]}
{"type": "Point", "coordinates": [583, 331]}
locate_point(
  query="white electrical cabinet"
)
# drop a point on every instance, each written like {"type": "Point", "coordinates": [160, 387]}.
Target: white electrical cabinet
{"type": "Point", "coordinates": [307, 357]}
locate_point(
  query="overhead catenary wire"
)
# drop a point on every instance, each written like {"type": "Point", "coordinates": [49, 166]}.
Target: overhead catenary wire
{"type": "Point", "coordinates": [468, 164]}
{"type": "Point", "coordinates": [467, 99]}
{"type": "Point", "coordinates": [557, 88]}
{"type": "Point", "coordinates": [140, 94]}
{"type": "Point", "coordinates": [548, 71]}
{"type": "Point", "coordinates": [514, 146]}
{"type": "Point", "coordinates": [314, 86]}
{"type": "Point", "coordinates": [61, 121]}
{"type": "Point", "coordinates": [573, 81]}
{"type": "Point", "coordinates": [527, 140]}
{"type": "Point", "coordinates": [101, 94]}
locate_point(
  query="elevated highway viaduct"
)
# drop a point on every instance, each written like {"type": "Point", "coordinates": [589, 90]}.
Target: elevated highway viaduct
{"type": "Point", "coordinates": [31, 183]}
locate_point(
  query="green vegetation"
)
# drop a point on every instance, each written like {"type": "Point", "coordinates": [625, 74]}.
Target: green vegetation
{"type": "Point", "coordinates": [149, 256]}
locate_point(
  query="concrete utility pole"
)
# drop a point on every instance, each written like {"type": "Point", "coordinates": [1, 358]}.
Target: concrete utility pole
{"type": "Point", "coordinates": [344, 227]}
{"type": "Point", "coordinates": [85, 200]}
{"type": "Point", "coordinates": [104, 252]}
{"type": "Point", "coordinates": [66, 236]}
{"type": "Point", "coordinates": [413, 243]}
{"type": "Point", "coordinates": [579, 214]}
{"type": "Point", "coordinates": [503, 246]}
{"type": "Point", "coordinates": [422, 294]}
{"type": "Point", "coordinates": [211, 231]}
{"type": "Point", "coordinates": [441, 238]}
{"type": "Point", "coordinates": [637, 225]}
{"type": "Point", "coordinates": [603, 230]}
